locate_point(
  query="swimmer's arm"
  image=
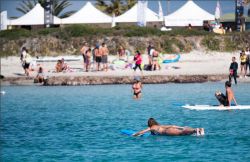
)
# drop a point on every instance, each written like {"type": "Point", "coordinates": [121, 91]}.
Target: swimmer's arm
{"type": "Point", "coordinates": [141, 132]}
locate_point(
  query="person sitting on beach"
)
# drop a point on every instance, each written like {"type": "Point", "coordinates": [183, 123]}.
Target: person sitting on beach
{"type": "Point", "coordinates": [40, 76]}
{"type": "Point", "coordinates": [138, 61]}
{"type": "Point", "coordinates": [88, 59]}
{"type": "Point", "coordinates": [64, 66]}
{"type": "Point", "coordinates": [169, 130]}
{"type": "Point", "coordinates": [225, 100]}
{"type": "Point", "coordinates": [233, 70]}
{"type": "Point", "coordinates": [137, 87]}
{"type": "Point", "coordinates": [121, 53]}
{"type": "Point", "coordinates": [59, 66]}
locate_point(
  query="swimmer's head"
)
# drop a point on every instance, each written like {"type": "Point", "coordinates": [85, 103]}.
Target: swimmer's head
{"type": "Point", "coordinates": [152, 122]}
{"type": "Point", "coordinates": [137, 79]}
{"type": "Point", "coordinates": [227, 84]}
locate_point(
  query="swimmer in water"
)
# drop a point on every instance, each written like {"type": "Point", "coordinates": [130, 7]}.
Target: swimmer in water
{"type": "Point", "coordinates": [169, 130]}
{"type": "Point", "coordinates": [137, 87]}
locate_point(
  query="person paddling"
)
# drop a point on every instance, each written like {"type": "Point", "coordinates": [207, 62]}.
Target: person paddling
{"type": "Point", "coordinates": [169, 130]}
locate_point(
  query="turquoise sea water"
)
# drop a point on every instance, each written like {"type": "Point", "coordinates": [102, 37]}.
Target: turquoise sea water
{"type": "Point", "coordinates": [83, 124]}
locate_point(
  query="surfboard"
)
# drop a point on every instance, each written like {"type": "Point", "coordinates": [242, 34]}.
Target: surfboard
{"type": "Point", "coordinates": [216, 107]}
{"type": "Point", "coordinates": [131, 132]}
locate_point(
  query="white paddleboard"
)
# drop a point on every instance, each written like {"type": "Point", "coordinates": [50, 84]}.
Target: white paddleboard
{"type": "Point", "coordinates": [210, 107]}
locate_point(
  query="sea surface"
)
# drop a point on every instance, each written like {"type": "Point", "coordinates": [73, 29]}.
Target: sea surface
{"type": "Point", "coordinates": [84, 123]}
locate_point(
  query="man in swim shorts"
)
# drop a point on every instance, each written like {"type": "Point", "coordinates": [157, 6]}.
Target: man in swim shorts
{"type": "Point", "coordinates": [169, 130]}
{"type": "Point", "coordinates": [225, 100]}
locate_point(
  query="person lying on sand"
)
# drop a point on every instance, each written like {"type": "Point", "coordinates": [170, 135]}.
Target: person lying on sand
{"type": "Point", "coordinates": [169, 130]}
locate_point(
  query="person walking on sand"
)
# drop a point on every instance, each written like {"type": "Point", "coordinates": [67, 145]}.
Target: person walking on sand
{"type": "Point", "coordinates": [169, 130]}
{"type": "Point", "coordinates": [225, 100]}
{"type": "Point", "coordinates": [243, 62]}
{"type": "Point", "coordinates": [233, 70]}
{"type": "Point", "coordinates": [137, 88]}
{"type": "Point", "coordinates": [83, 50]}
{"type": "Point", "coordinates": [138, 61]}
{"type": "Point", "coordinates": [104, 52]}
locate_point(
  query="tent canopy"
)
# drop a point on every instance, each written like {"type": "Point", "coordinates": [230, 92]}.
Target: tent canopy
{"type": "Point", "coordinates": [189, 13]}
{"type": "Point", "coordinates": [33, 17]}
{"type": "Point", "coordinates": [87, 14]}
{"type": "Point", "coordinates": [131, 16]}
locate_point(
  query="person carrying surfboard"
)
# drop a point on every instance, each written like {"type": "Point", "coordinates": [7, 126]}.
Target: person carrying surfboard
{"type": "Point", "coordinates": [225, 100]}
{"type": "Point", "coordinates": [169, 130]}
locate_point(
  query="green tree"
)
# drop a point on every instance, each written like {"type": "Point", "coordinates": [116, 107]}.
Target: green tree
{"type": "Point", "coordinates": [116, 7]}
{"type": "Point", "coordinates": [57, 5]}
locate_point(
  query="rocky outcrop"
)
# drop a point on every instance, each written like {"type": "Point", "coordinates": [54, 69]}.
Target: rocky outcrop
{"type": "Point", "coordinates": [54, 46]}
{"type": "Point", "coordinates": [102, 80]}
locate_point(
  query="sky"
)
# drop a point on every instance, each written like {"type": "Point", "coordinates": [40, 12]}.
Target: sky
{"type": "Point", "coordinates": [227, 6]}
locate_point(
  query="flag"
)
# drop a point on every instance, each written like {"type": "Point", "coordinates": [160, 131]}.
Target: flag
{"type": "Point", "coordinates": [160, 14]}
{"type": "Point", "coordinates": [113, 21]}
{"type": "Point", "coordinates": [217, 13]}
{"type": "Point", "coordinates": [141, 12]}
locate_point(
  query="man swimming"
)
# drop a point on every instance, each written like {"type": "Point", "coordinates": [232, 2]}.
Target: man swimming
{"type": "Point", "coordinates": [225, 100]}
{"type": "Point", "coordinates": [137, 87]}
{"type": "Point", "coordinates": [169, 130]}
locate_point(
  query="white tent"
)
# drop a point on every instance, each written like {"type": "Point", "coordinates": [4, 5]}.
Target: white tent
{"type": "Point", "coordinates": [3, 20]}
{"type": "Point", "coordinates": [33, 17]}
{"type": "Point", "coordinates": [189, 13]}
{"type": "Point", "coordinates": [131, 16]}
{"type": "Point", "coordinates": [87, 14]}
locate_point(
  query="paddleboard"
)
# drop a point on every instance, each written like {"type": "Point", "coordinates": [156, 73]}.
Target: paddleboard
{"type": "Point", "coordinates": [176, 58]}
{"type": "Point", "coordinates": [216, 107]}
{"type": "Point", "coordinates": [131, 132]}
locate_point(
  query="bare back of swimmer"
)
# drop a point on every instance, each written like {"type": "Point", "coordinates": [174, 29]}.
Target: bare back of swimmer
{"type": "Point", "coordinates": [169, 130]}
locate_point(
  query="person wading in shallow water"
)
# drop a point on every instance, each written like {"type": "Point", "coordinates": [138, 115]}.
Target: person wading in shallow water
{"type": "Point", "coordinates": [137, 88]}
{"type": "Point", "coordinates": [169, 130]}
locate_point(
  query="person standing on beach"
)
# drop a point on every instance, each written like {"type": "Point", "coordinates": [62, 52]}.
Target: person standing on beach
{"type": "Point", "coordinates": [98, 57]}
{"type": "Point", "coordinates": [138, 61]}
{"type": "Point", "coordinates": [83, 50]}
{"type": "Point", "coordinates": [104, 52]}
{"type": "Point", "coordinates": [27, 59]}
{"type": "Point", "coordinates": [225, 100]}
{"type": "Point", "coordinates": [149, 48]}
{"type": "Point", "coordinates": [155, 63]}
{"type": "Point", "coordinates": [137, 88]}
{"type": "Point", "coordinates": [248, 59]}
{"type": "Point", "coordinates": [88, 59]}
{"type": "Point", "coordinates": [233, 70]}
{"type": "Point", "coordinates": [243, 62]}
{"type": "Point", "coordinates": [22, 55]}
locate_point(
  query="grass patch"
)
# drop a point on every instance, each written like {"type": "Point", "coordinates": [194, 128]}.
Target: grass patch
{"type": "Point", "coordinates": [15, 34]}
{"type": "Point", "coordinates": [211, 43]}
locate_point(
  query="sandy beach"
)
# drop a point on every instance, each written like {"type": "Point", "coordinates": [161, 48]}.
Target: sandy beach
{"type": "Point", "coordinates": [194, 63]}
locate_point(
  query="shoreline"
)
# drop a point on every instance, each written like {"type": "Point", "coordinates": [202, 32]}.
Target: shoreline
{"type": "Point", "coordinates": [108, 80]}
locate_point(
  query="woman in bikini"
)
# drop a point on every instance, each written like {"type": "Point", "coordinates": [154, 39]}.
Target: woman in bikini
{"type": "Point", "coordinates": [137, 87]}
{"type": "Point", "coordinates": [169, 130]}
